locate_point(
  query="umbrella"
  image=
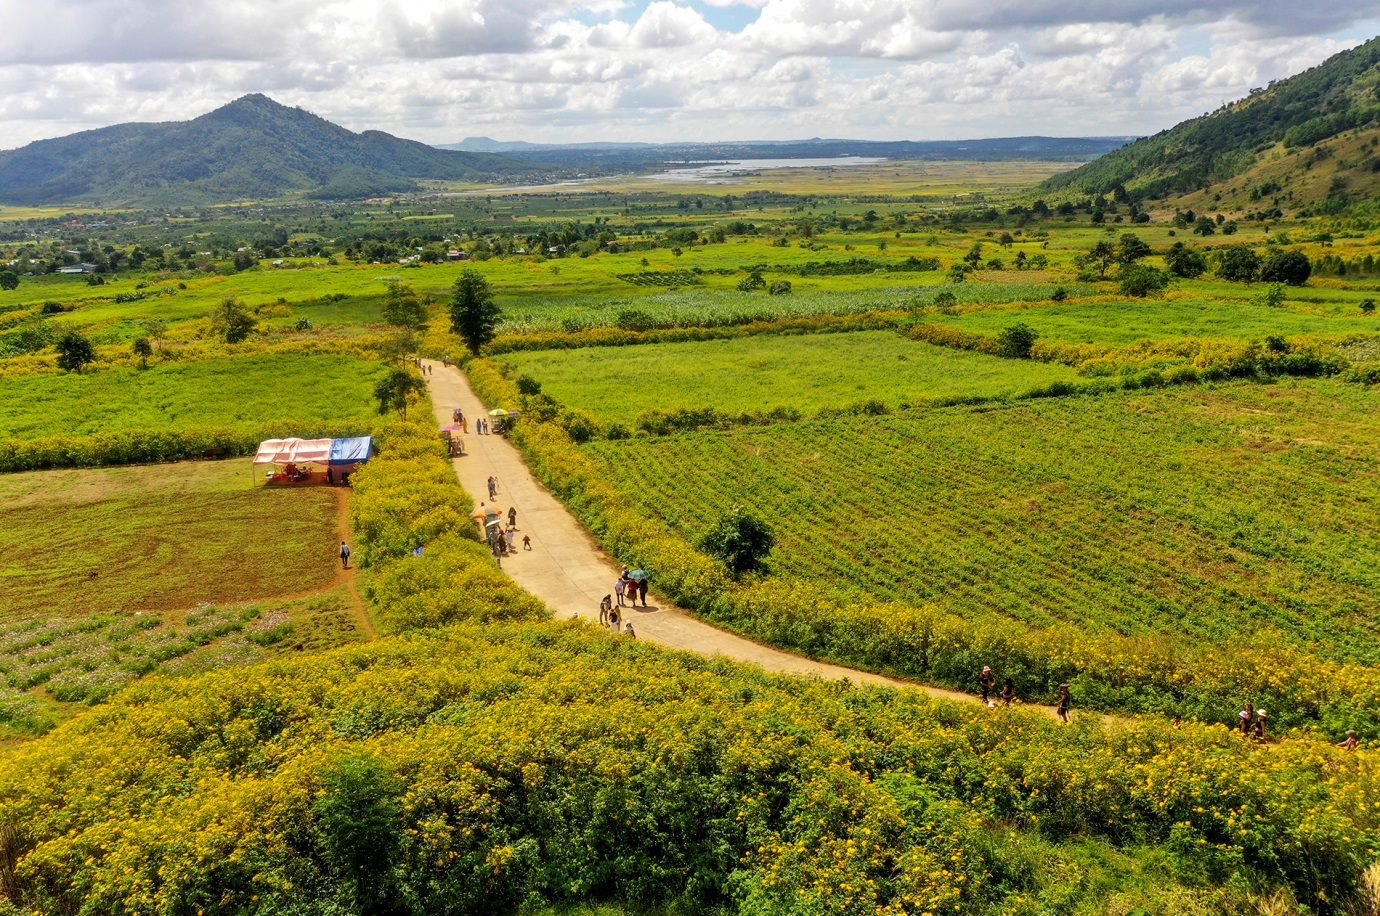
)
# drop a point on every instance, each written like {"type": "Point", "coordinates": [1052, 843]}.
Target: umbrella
{"type": "Point", "coordinates": [498, 412]}
{"type": "Point", "coordinates": [453, 428]}
{"type": "Point", "coordinates": [485, 513]}
{"type": "Point", "coordinates": [639, 574]}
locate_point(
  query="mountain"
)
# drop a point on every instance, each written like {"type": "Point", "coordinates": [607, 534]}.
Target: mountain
{"type": "Point", "coordinates": [639, 156]}
{"type": "Point", "coordinates": [1306, 140]}
{"type": "Point", "coordinates": [250, 148]}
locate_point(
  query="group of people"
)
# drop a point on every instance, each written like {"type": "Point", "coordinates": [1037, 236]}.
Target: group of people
{"type": "Point", "coordinates": [503, 541]}
{"type": "Point", "coordinates": [626, 588]}
{"type": "Point", "coordinates": [609, 617]}
{"type": "Point", "coordinates": [1251, 722]}
{"type": "Point", "coordinates": [987, 684]}
{"type": "Point", "coordinates": [421, 366]}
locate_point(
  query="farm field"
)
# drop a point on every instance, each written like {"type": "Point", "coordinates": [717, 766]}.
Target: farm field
{"type": "Point", "coordinates": [241, 392]}
{"type": "Point", "coordinates": [159, 538]}
{"type": "Point", "coordinates": [805, 373]}
{"type": "Point", "coordinates": [1127, 321]}
{"type": "Point", "coordinates": [49, 664]}
{"type": "Point", "coordinates": [1212, 513]}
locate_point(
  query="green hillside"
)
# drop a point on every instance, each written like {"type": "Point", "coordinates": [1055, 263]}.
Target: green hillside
{"type": "Point", "coordinates": [250, 148]}
{"type": "Point", "coordinates": [1318, 105]}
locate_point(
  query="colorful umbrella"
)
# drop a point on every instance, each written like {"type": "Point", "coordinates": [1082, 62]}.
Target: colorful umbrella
{"type": "Point", "coordinates": [485, 513]}
{"type": "Point", "coordinates": [498, 412]}
{"type": "Point", "coordinates": [453, 428]}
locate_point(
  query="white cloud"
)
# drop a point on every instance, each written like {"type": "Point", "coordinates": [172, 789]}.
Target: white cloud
{"type": "Point", "coordinates": [604, 69]}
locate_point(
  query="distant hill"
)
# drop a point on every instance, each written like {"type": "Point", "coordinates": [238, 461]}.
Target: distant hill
{"type": "Point", "coordinates": [637, 156]}
{"type": "Point", "coordinates": [1305, 141]}
{"type": "Point", "coordinates": [250, 148]}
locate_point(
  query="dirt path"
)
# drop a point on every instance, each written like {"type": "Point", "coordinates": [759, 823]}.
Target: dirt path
{"type": "Point", "coordinates": [347, 576]}
{"type": "Point", "coordinates": [567, 570]}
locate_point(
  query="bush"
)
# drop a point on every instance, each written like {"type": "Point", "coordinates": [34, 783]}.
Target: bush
{"type": "Point", "coordinates": [1015, 342]}
{"type": "Point", "coordinates": [780, 288]}
{"type": "Point", "coordinates": [1141, 280]}
{"type": "Point", "coordinates": [1367, 306]}
{"type": "Point", "coordinates": [741, 540]}
{"type": "Point", "coordinates": [1286, 266]}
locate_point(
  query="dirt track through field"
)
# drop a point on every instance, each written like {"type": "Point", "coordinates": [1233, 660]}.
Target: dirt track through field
{"type": "Point", "coordinates": [566, 568]}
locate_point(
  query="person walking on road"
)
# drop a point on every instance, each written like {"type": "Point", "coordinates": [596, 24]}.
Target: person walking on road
{"type": "Point", "coordinates": [604, 607]}
{"type": "Point", "coordinates": [642, 590]}
{"type": "Point", "coordinates": [512, 517]}
{"type": "Point", "coordinates": [1065, 703]}
{"type": "Point", "coordinates": [620, 588]}
{"type": "Point", "coordinates": [344, 555]}
{"type": "Point", "coordinates": [986, 680]}
{"type": "Point", "coordinates": [526, 542]}
{"type": "Point", "coordinates": [493, 486]}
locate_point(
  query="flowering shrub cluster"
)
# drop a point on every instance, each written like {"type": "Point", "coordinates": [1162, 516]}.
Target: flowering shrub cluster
{"type": "Point", "coordinates": [151, 446]}
{"type": "Point", "coordinates": [408, 497]}
{"type": "Point", "coordinates": [479, 769]}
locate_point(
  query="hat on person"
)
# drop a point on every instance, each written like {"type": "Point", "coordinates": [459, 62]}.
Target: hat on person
{"type": "Point", "coordinates": [1351, 731]}
{"type": "Point", "coordinates": [986, 668]}
{"type": "Point", "coordinates": [1260, 712]}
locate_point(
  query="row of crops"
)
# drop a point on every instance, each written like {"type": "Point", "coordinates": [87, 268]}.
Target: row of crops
{"type": "Point", "coordinates": [1244, 513]}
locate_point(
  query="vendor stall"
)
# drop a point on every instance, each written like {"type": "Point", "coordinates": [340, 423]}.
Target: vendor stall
{"type": "Point", "coordinates": [346, 456]}
{"type": "Point", "coordinates": [293, 460]}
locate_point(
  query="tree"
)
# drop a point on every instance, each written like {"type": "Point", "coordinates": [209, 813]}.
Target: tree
{"type": "Point", "coordinates": [395, 389]}
{"type": "Point", "coordinates": [1006, 240]}
{"type": "Point", "coordinates": [1015, 342]}
{"type": "Point", "coordinates": [740, 540]}
{"type": "Point", "coordinates": [74, 351]}
{"type": "Point", "coordinates": [1185, 262]}
{"type": "Point", "coordinates": [9, 279]}
{"type": "Point", "coordinates": [1239, 264]}
{"type": "Point", "coordinates": [357, 822]}
{"type": "Point", "coordinates": [1102, 256]}
{"type": "Point", "coordinates": [1141, 280]}
{"type": "Point", "coordinates": [402, 306]}
{"type": "Point", "coordinates": [959, 272]}
{"type": "Point", "coordinates": [473, 313]}
{"type": "Point", "coordinates": [154, 329]}
{"type": "Point", "coordinates": [142, 349]}
{"type": "Point", "coordinates": [399, 347]}
{"type": "Point", "coordinates": [1131, 248]}
{"type": "Point", "coordinates": [1367, 306]}
{"type": "Point", "coordinates": [974, 255]}
{"type": "Point", "coordinates": [232, 321]}
{"type": "Point", "coordinates": [752, 281]}
{"type": "Point", "coordinates": [1204, 226]}
{"type": "Point", "coordinates": [1285, 265]}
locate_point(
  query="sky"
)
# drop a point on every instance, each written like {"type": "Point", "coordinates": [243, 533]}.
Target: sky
{"type": "Point", "coordinates": [663, 70]}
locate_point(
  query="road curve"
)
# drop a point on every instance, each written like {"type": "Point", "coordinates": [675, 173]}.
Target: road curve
{"type": "Point", "coordinates": [567, 569]}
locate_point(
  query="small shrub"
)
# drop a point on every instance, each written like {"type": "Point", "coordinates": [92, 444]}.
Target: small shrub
{"type": "Point", "coordinates": [1015, 342]}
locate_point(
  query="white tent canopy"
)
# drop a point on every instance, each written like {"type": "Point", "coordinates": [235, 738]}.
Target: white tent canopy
{"type": "Point", "coordinates": [293, 451]}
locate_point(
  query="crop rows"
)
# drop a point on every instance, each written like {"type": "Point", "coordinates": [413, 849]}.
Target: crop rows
{"type": "Point", "coordinates": [667, 278]}
{"type": "Point", "coordinates": [709, 308]}
{"type": "Point", "coordinates": [1245, 511]}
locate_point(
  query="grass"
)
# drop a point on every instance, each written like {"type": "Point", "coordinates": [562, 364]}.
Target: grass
{"type": "Point", "coordinates": [1211, 513]}
{"type": "Point", "coordinates": [1125, 322]}
{"type": "Point", "coordinates": [158, 538]}
{"type": "Point", "coordinates": [756, 374]}
{"type": "Point", "coordinates": [237, 392]}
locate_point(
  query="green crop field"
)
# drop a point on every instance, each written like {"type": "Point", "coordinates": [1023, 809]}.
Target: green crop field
{"type": "Point", "coordinates": [161, 537]}
{"type": "Point", "coordinates": [1123, 322]}
{"type": "Point", "coordinates": [237, 392]}
{"type": "Point", "coordinates": [806, 373]}
{"type": "Point", "coordinates": [1214, 513]}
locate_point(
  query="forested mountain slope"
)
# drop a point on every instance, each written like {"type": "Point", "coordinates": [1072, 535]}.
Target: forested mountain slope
{"type": "Point", "coordinates": [251, 148]}
{"type": "Point", "coordinates": [1288, 120]}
